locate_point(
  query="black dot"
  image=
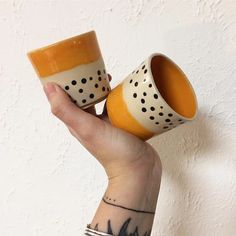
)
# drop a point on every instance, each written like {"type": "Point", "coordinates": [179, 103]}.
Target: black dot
{"type": "Point", "coordinates": [182, 122]}
{"type": "Point", "coordinates": [150, 85]}
{"type": "Point", "coordinates": [144, 94]}
{"type": "Point", "coordinates": [74, 101]}
{"type": "Point", "coordinates": [144, 109]}
{"type": "Point", "coordinates": [143, 66]}
{"type": "Point", "coordinates": [73, 82]}
{"type": "Point", "coordinates": [103, 89]}
{"type": "Point", "coordinates": [99, 72]}
{"type": "Point", "coordinates": [142, 100]}
{"type": "Point", "coordinates": [135, 95]}
{"type": "Point", "coordinates": [104, 71]}
{"type": "Point", "coordinates": [155, 96]}
{"type": "Point", "coordinates": [131, 81]}
{"type": "Point", "coordinates": [81, 90]}
{"type": "Point", "coordinates": [96, 85]}
{"type": "Point", "coordinates": [170, 123]}
{"type": "Point", "coordinates": [152, 108]}
{"type": "Point", "coordinates": [161, 114]}
{"type": "Point", "coordinates": [144, 80]}
{"type": "Point", "coordinates": [170, 114]}
{"type": "Point", "coordinates": [91, 78]}
{"type": "Point", "coordinates": [179, 120]}
{"type": "Point", "coordinates": [145, 71]}
{"type": "Point", "coordinates": [84, 81]}
{"type": "Point", "coordinates": [152, 117]}
{"type": "Point", "coordinates": [165, 127]}
{"type": "Point", "coordinates": [137, 71]}
{"type": "Point", "coordinates": [84, 101]}
{"type": "Point", "coordinates": [91, 95]}
{"type": "Point", "coordinates": [161, 107]}
{"type": "Point", "coordinates": [99, 78]}
{"type": "Point", "coordinates": [133, 72]}
{"type": "Point", "coordinates": [136, 84]}
{"type": "Point", "coordinates": [67, 88]}
{"type": "Point", "coordinates": [108, 89]}
{"type": "Point", "coordinates": [157, 123]}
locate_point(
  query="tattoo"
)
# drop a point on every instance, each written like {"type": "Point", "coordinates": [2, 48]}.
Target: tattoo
{"type": "Point", "coordinates": [122, 232]}
{"type": "Point", "coordinates": [108, 200]}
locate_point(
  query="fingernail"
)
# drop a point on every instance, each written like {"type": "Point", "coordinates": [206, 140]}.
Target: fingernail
{"type": "Point", "coordinates": [49, 88]}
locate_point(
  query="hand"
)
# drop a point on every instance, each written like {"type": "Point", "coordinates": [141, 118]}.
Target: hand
{"type": "Point", "coordinates": [120, 153]}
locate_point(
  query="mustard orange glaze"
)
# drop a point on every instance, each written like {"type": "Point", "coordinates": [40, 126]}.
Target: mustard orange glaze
{"type": "Point", "coordinates": [65, 55]}
{"type": "Point", "coordinates": [120, 116]}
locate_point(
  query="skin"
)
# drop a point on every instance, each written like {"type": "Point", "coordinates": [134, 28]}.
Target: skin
{"type": "Point", "coordinates": [132, 165]}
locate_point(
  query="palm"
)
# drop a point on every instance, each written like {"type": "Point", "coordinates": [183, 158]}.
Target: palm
{"type": "Point", "coordinates": [114, 148]}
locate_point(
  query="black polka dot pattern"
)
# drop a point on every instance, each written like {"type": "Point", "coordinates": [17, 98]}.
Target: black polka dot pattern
{"type": "Point", "coordinates": [96, 82]}
{"type": "Point", "coordinates": [150, 104]}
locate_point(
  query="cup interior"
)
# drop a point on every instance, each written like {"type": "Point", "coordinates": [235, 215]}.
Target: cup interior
{"type": "Point", "coordinates": [174, 86]}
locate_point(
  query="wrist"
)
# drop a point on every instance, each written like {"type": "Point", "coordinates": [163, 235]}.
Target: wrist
{"type": "Point", "coordinates": [136, 187]}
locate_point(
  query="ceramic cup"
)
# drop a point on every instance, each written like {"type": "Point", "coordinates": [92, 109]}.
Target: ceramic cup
{"type": "Point", "coordinates": [154, 98]}
{"type": "Point", "coordinates": [76, 65]}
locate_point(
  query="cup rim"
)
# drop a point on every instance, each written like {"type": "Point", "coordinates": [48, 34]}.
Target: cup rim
{"type": "Point", "coordinates": [55, 44]}
{"type": "Point", "coordinates": [184, 75]}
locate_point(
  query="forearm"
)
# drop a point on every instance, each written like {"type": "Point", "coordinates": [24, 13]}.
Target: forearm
{"type": "Point", "coordinates": [128, 205]}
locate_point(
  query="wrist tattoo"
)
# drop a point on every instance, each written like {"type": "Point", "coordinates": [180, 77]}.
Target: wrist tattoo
{"type": "Point", "coordinates": [122, 232]}
{"type": "Point", "coordinates": [110, 201]}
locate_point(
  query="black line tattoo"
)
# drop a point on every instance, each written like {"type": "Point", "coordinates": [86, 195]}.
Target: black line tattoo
{"type": "Point", "coordinates": [126, 208]}
{"type": "Point", "coordinates": [122, 231]}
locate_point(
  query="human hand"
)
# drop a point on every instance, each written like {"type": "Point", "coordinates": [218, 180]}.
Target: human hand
{"type": "Point", "coordinates": [120, 153]}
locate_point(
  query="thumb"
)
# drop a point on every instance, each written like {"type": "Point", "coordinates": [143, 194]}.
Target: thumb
{"type": "Point", "coordinates": [85, 126]}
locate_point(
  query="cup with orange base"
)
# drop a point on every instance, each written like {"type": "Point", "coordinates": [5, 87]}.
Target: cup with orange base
{"type": "Point", "coordinates": [156, 97]}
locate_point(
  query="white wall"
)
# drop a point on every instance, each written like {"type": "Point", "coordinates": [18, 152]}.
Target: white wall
{"type": "Point", "coordinates": [49, 184]}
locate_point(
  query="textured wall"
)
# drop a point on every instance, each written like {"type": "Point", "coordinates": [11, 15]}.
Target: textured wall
{"type": "Point", "coordinates": [49, 184]}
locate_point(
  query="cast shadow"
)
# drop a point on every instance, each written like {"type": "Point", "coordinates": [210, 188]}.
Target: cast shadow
{"type": "Point", "coordinates": [185, 145]}
{"type": "Point", "coordinates": [178, 150]}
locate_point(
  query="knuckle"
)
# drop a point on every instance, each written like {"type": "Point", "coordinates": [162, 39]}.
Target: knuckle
{"type": "Point", "coordinates": [57, 110]}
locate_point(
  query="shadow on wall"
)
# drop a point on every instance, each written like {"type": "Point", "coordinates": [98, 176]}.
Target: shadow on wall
{"type": "Point", "coordinates": [179, 149]}
{"type": "Point", "coordinates": [183, 147]}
